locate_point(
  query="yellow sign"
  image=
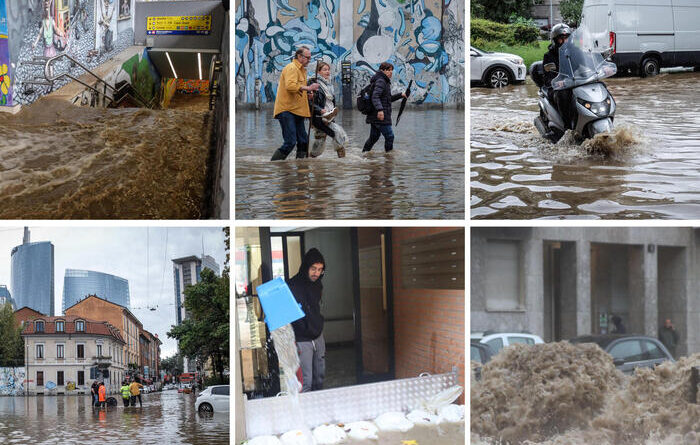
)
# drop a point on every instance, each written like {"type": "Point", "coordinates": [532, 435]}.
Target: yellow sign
{"type": "Point", "coordinates": [195, 24]}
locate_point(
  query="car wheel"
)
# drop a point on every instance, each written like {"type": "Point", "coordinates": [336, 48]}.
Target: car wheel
{"type": "Point", "coordinates": [206, 408]}
{"type": "Point", "coordinates": [498, 78]}
{"type": "Point", "coordinates": [650, 67]}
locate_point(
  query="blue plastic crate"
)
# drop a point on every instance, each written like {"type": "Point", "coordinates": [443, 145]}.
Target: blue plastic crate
{"type": "Point", "coordinates": [278, 303]}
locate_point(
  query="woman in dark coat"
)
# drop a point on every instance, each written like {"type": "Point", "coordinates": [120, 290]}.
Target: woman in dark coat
{"type": "Point", "coordinates": [380, 118]}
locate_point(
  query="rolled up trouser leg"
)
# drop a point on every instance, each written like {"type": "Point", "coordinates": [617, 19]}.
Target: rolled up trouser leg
{"type": "Point", "coordinates": [340, 138]}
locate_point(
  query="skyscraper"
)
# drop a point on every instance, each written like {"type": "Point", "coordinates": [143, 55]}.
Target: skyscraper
{"type": "Point", "coordinates": [187, 272]}
{"type": "Point", "coordinates": [78, 284]}
{"type": "Point", "coordinates": [5, 297]}
{"type": "Point", "coordinates": [32, 275]}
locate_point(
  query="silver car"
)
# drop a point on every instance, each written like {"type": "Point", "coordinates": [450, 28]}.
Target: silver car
{"type": "Point", "coordinates": [496, 70]}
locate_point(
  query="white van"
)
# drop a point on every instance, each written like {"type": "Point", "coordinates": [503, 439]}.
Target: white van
{"type": "Point", "coordinates": [646, 35]}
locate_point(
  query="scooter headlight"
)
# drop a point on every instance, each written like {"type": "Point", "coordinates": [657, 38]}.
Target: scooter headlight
{"type": "Point", "coordinates": [598, 108]}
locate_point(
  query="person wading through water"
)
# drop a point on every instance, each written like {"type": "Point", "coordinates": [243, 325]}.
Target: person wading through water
{"type": "Point", "coordinates": [380, 118]}
{"type": "Point", "coordinates": [292, 105]}
{"type": "Point", "coordinates": [324, 112]}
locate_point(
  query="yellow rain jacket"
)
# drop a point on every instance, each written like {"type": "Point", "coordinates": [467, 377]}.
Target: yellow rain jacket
{"type": "Point", "coordinates": [289, 96]}
{"type": "Point", "coordinates": [125, 391]}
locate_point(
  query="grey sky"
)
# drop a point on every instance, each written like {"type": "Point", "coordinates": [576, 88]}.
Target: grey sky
{"type": "Point", "coordinates": [138, 254]}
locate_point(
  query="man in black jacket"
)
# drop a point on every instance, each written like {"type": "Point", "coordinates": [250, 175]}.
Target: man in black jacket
{"type": "Point", "coordinates": [380, 118]}
{"type": "Point", "coordinates": [306, 287]}
{"type": "Point", "coordinates": [563, 99]}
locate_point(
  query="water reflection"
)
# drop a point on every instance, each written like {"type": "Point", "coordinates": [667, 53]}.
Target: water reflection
{"type": "Point", "coordinates": [166, 417]}
{"type": "Point", "coordinates": [423, 178]}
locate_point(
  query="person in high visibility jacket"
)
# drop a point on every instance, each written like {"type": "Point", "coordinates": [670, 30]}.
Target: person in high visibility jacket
{"type": "Point", "coordinates": [126, 393]}
{"type": "Point", "coordinates": [135, 389]}
{"type": "Point", "coordinates": [102, 393]}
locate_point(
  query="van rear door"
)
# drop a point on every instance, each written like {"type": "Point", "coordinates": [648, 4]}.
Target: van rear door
{"type": "Point", "coordinates": [686, 17]}
{"type": "Point", "coordinates": [655, 29]}
{"type": "Point", "coordinates": [595, 18]}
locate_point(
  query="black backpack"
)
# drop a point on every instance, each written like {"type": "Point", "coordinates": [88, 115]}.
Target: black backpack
{"type": "Point", "coordinates": [364, 99]}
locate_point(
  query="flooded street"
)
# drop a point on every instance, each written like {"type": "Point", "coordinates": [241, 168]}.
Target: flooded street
{"type": "Point", "coordinates": [166, 417]}
{"type": "Point", "coordinates": [651, 168]}
{"type": "Point", "coordinates": [59, 161]}
{"type": "Point", "coordinates": [423, 178]}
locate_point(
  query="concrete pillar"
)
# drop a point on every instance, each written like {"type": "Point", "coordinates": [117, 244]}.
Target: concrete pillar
{"type": "Point", "coordinates": [583, 287]}
{"type": "Point", "coordinates": [238, 395]}
{"type": "Point", "coordinates": [651, 286]}
{"type": "Point", "coordinates": [534, 285]}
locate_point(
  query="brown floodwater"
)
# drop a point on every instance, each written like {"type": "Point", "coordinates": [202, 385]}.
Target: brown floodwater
{"type": "Point", "coordinates": [422, 178]}
{"type": "Point", "coordinates": [648, 168]}
{"type": "Point", "coordinates": [59, 161]}
{"type": "Point", "coordinates": [559, 393]}
{"type": "Point", "coordinates": [166, 418]}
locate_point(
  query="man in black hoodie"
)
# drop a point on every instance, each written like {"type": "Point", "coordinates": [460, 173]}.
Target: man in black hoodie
{"type": "Point", "coordinates": [380, 118]}
{"type": "Point", "coordinates": [306, 287]}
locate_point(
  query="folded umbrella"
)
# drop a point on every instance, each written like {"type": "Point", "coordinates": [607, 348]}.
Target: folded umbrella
{"type": "Point", "coordinates": [403, 101]}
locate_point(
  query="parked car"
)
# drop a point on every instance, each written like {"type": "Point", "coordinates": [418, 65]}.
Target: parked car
{"type": "Point", "coordinates": [480, 353]}
{"type": "Point", "coordinates": [628, 351]}
{"type": "Point", "coordinates": [645, 35]}
{"type": "Point", "coordinates": [214, 399]}
{"type": "Point", "coordinates": [499, 340]}
{"type": "Point", "coordinates": [496, 70]}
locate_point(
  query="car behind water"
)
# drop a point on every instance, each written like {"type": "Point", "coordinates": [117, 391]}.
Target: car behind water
{"type": "Point", "coordinates": [496, 70]}
{"type": "Point", "coordinates": [629, 351]}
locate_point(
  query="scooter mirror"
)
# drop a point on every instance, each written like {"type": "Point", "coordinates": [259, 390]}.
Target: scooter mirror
{"type": "Point", "coordinates": [607, 54]}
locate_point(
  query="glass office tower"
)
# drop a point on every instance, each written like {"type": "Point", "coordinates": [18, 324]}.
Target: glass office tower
{"type": "Point", "coordinates": [32, 275]}
{"type": "Point", "coordinates": [78, 284]}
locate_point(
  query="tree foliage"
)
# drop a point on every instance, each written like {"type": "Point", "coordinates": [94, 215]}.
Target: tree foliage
{"type": "Point", "coordinates": [571, 11]}
{"type": "Point", "coordinates": [205, 333]}
{"type": "Point", "coordinates": [502, 11]}
{"type": "Point", "coordinates": [11, 344]}
{"type": "Point", "coordinates": [172, 365]}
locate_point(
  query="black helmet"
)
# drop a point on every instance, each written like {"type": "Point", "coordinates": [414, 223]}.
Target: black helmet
{"type": "Point", "coordinates": [558, 30]}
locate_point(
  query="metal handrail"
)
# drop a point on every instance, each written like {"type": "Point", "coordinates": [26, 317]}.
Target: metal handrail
{"type": "Point", "coordinates": [47, 75]}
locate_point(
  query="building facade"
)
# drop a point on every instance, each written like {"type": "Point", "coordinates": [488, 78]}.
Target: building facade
{"type": "Point", "coordinates": [65, 354]}
{"type": "Point", "coordinates": [78, 284]}
{"type": "Point", "coordinates": [118, 316]}
{"type": "Point", "coordinates": [563, 282]}
{"type": "Point", "coordinates": [187, 272]}
{"type": "Point", "coordinates": [149, 349]}
{"type": "Point", "coordinates": [546, 12]}
{"type": "Point", "coordinates": [32, 275]}
{"type": "Point", "coordinates": [6, 297]}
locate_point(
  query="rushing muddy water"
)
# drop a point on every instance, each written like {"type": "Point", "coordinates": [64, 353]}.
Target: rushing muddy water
{"type": "Point", "coordinates": [559, 393]}
{"type": "Point", "coordinates": [165, 418]}
{"type": "Point", "coordinates": [649, 168]}
{"type": "Point", "coordinates": [423, 178]}
{"type": "Point", "coordinates": [59, 161]}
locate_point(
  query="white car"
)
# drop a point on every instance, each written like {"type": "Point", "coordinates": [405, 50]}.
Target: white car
{"type": "Point", "coordinates": [499, 340]}
{"type": "Point", "coordinates": [214, 399]}
{"type": "Point", "coordinates": [496, 70]}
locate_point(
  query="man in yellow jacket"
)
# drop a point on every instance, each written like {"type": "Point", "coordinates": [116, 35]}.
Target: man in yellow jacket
{"type": "Point", "coordinates": [135, 389]}
{"type": "Point", "coordinates": [292, 105]}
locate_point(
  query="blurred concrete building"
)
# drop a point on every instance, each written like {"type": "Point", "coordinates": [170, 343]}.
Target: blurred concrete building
{"type": "Point", "coordinates": [562, 282]}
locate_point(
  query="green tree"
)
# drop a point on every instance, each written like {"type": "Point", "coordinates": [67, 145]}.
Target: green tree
{"type": "Point", "coordinates": [571, 11]}
{"type": "Point", "coordinates": [205, 333]}
{"type": "Point", "coordinates": [503, 11]}
{"type": "Point", "coordinates": [12, 345]}
{"type": "Point", "coordinates": [172, 365]}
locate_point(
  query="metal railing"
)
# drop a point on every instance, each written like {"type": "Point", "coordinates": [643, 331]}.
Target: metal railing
{"type": "Point", "coordinates": [120, 93]}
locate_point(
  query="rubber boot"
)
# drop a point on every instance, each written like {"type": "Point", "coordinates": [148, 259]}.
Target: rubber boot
{"type": "Point", "coordinates": [341, 152]}
{"type": "Point", "coordinates": [278, 155]}
{"type": "Point", "coordinates": [302, 151]}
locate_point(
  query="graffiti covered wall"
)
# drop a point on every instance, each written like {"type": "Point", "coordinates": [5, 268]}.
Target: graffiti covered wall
{"type": "Point", "coordinates": [86, 30]}
{"type": "Point", "coordinates": [12, 381]}
{"type": "Point", "coordinates": [5, 74]}
{"type": "Point", "coordinates": [423, 39]}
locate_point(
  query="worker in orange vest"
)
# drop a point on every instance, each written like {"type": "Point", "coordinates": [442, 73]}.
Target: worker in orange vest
{"type": "Point", "coordinates": [102, 394]}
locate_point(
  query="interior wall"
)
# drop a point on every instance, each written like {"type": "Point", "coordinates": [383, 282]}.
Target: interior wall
{"type": "Point", "coordinates": [334, 244]}
{"type": "Point", "coordinates": [428, 323]}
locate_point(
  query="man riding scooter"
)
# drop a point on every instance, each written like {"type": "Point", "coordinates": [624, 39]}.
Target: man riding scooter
{"type": "Point", "coordinates": [562, 99]}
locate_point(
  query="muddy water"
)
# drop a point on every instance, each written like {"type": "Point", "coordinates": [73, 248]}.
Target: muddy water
{"type": "Point", "coordinates": [650, 169]}
{"type": "Point", "coordinates": [58, 161]}
{"type": "Point", "coordinates": [558, 393]}
{"type": "Point", "coordinates": [166, 418]}
{"type": "Point", "coordinates": [423, 178]}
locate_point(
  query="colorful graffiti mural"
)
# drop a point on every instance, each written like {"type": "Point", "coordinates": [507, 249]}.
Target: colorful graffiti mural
{"type": "Point", "coordinates": [5, 74]}
{"type": "Point", "coordinates": [192, 86]}
{"type": "Point", "coordinates": [424, 39]}
{"type": "Point", "coordinates": [12, 381]}
{"type": "Point", "coordinates": [85, 30]}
